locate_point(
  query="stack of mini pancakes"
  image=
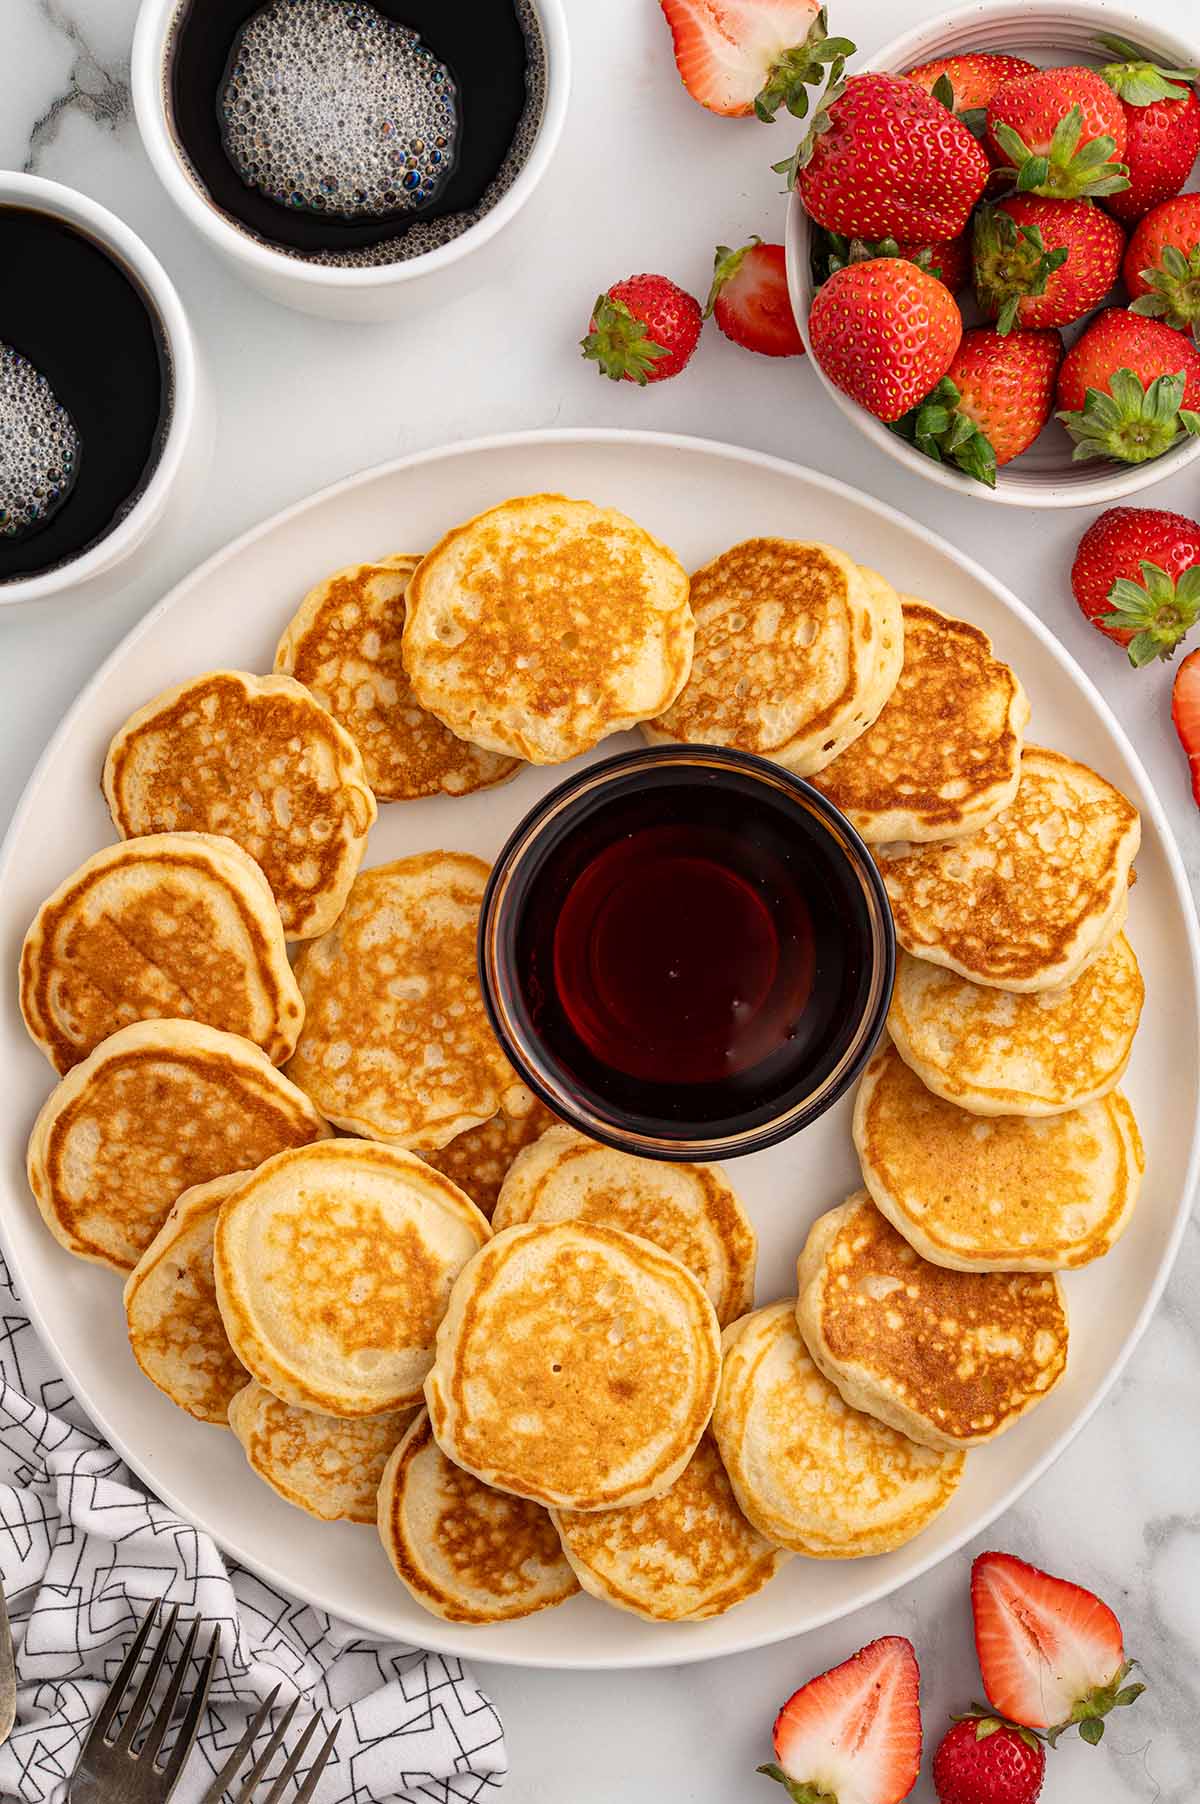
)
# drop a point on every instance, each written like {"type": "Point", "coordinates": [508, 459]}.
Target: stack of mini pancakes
{"type": "Point", "coordinates": [533, 1361]}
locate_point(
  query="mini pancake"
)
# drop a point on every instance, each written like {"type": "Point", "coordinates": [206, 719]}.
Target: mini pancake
{"type": "Point", "coordinates": [811, 1475]}
{"type": "Point", "coordinates": [333, 1266]}
{"type": "Point", "coordinates": [994, 1053]}
{"type": "Point", "coordinates": [343, 644]}
{"type": "Point", "coordinates": [259, 760]}
{"type": "Point", "coordinates": [1005, 1194]}
{"type": "Point", "coordinates": [689, 1210]}
{"type": "Point", "coordinates": [682, 1557]}
{"type": "Point", "coordinates": [949, 1358]}
{"type": "Point", "coordinates": [467, 1553]}
{"type": "Point", "coordinates": [179, 925]}
{"type": "Point", "coordinates": [944, 756]}
{"type": "Point", "coordinates": [156, 1108]}
{"type": "Point", "coordinates": [577, 1366]}
{"type": "Point", "coordinates": [797, 650]}
{"type": "Point", "coordinates": [544, 625]}
{"type": "Point", "coordinates": [175, 1328]}
{"type": "Point", "coordinates": [326, 1465]}
{"type": "Point", "coordinates": [478, 1160]}
{"type": "Point", "coordinates": [1025, 902]}
{"type": "Point", "coordinates": [396, 1042]}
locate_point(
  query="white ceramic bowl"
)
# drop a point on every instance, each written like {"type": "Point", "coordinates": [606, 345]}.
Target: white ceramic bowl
{"type": "Point", "coordinates": [333, 292]}
{"type": "Point", "coordinates": [1043, 476]}
{"type": "Point", "coordinates": [183, 458]}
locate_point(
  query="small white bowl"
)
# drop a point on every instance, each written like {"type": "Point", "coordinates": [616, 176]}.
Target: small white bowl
{"type": "Point", "coordinates": [114, 560]}
{"type": "Point", "coordinates": [1043, 476]}
{"type": "Point", "coordinates": [366, 294]}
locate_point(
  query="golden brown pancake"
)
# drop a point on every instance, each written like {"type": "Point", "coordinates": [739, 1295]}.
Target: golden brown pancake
{"type": "Point", "coordinates": [329, 1466]}
{"type": "Point", "coordinates": [344, 645]}
{"type": "Point", "coordinates": [478, 1160]}
{"type": "Point", "coordinates": [156, 1108]}
{"type": "Point", "coordinates": [260, 760]}
{"type": "Point", "coordinates": [396, 1042]}
{"type": "Point", "coordinates": [179, 925]}
{"type": "Point", "coordinates": [949, 1358]}
{"type": "Point", "coordinates": [467, 1553]}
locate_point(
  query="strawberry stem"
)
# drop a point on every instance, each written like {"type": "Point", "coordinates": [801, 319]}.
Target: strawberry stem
{"type": "Point", "coordinates": [1131, 422]}
{"type": "Point", "coordinates": [1011, 262]}
{"type": "Point", "coordinates": [833, 251]}
{"type": "Point", "coordinates": [939, 430]}
{"type": "Point", "coordinates": [1174, 294]}
{"type": "Point", "coordinates": [796, 70]}
{"type": "Point", "coordinates": [800, 1792]}
{"type": "Point", "coordinates": [1089, 1712]}
{"type": "Point", "coordinates": [619, 342]}
{"type": "Point", "coordinates": [1138, 79]}
{"type": "Point", "coordinates": [726, 264]}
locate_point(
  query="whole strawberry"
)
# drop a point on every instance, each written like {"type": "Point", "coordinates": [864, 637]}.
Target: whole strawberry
{"type": "Point", "coordinates": [1062, 131]}
{"type": "Point", "coordinates": [949, 259]}
{"type": "Point", "coordinates": [1162, 121]}
{"type": "Point", "coordinates": [643, 329]}
{"type": "Point", "coordinates": [1162, 263]}
{"type": "Point", "coordinates": [1043, 262]}
{"type": "Point", "coordinates": [884, 332]}
{"type": "Point", "coordinates": [885, 160]}
{"type": "Point", "coordinates": [1129, 388]}
{"type": "Point", "coordinates": [991, 404]}
{"type": "Point", "coordinates": [750, 302]}
{"type": "Point", "coordinates": [1136, 577]}
{"type": "Point", "coordinates": [984, 1760]}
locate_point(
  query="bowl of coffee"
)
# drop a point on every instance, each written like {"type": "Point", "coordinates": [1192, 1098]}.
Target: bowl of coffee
{"type": "Point", "coordinates": [335, 150]}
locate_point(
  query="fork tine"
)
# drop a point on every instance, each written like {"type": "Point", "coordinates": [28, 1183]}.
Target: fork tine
{"type": "Point", "coordinates": [228, 1772]}
{"type": "Point", "coordinates": [149, 1680]}
{"type": "Point", "coordinates": [191, 1718]}
{"type": "Point", "coordinates": [246, 1795]}
{"type": "Point", "coordinates": [120, 1685]}
{"type": "Point", "coordinates": [166, 1710]}
{"type": "Point", "coordinates": [294, 1758]}
{"type": "Point", "coordinates": [318, 1767]}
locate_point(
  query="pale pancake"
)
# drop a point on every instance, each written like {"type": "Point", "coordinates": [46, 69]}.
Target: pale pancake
{"type": "Point", "coordinates": [478, 1160]}
{"type": "Point", "coordinates": [329, 1466]}
{"type": "Point", "coordinates": [690, 1211]}
{"type": "Point", "coordinates": [179, 925]}
{"type": "Point", "coordinates": [333, 1266]}
{"type": "Point", "coordinates": [1025, 902]}
{"type": "Point", "coordinates": [396, 1042]}
{"type": "Point", "coordinates": [797, 650]}
{"type": "Point", "coordinates": [577, 1366]}
{"type": "Point", "coordinates": [944, 756]}
{"type": "Point", "coordinates": [153, 1110]}
{"type": "Point", "coordinates": [466, 1552]}
{"type": "Point", "coordinates": [260, 760]}
{"type": "Point", "coordinates": [175, 1328]}
{"type": "Point", "coordinates": [811, 1475]}
{"type": "Point", "coordinates": [344, 643]}
{"type": "Point", "coordinates": [1005, 1194]}
{"type": "Point", "coordinates": [543, 625]}
{"type": "Point", "coordinates": [683, 1557]}
{"type": "Point", "coordinates": [949, 1358]}
{"type": "Point", "coordinates": [995, 1053]}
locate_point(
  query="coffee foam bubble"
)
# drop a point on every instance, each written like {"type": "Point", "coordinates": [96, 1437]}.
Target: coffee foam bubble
{"type": "Point", "coordinates": [331, 108]}
{"type": "Point", "coordinates": [39, 447]}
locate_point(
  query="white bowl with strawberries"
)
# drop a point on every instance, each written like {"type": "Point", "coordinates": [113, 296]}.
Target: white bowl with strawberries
{"type": "Point", "coordinates": [991, 256]}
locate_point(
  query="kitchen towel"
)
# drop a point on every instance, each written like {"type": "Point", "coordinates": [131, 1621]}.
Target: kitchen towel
{"type": "Point", "coordinates": [84, 1547]}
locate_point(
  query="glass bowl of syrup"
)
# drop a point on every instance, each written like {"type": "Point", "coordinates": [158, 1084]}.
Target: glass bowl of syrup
{"type": "Point", "coordinates": [686, 952]}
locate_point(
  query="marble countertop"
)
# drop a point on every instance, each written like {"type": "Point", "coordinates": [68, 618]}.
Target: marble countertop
{"type": "Point", "coordinates": [302, 402]}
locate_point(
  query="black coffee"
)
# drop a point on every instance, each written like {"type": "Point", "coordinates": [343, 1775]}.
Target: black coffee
{"type": "Point", "coordinates": [84, 392]}
{"type": "Point", "coordinates": [354, 133]}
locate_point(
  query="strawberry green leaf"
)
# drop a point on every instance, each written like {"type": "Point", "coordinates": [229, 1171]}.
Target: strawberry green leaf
{"type": "Point", "coordinates": [1174, 295]}
{"type": "Point", "coordinates": [943, 90]}
{"type": "Point", "coordinates": [799, 68]}
{"type": "Point", "coordinates": [798, 1792]}
{"type": "Point", "coordinates": [1130, 422]}
{"type": "Point", "coordinates": [1092, 1730]}
{"type": "Point", "coordinates": [835, 87]}
{"type": "Point", "coordinates": [975, 120]}
{"type": "Point", "coordinates": [726, 264]}
{"type": "Point", "coordinates": [1068, 170]}
{"type": "Point", "coordinates": [1158, 612]}
{"type": "Point", "coordinates": [939, 430]}
{"type": "Point", "coordinates": [619, 342]}
{"type": "Point", "coordinates": [1138, 79]}
{"type": "Point", "coordinates": [1010, 262]}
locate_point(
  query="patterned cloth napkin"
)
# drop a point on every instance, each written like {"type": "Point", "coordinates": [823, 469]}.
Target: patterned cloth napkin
{"type": "Point", "coordinates": [83, 1548]}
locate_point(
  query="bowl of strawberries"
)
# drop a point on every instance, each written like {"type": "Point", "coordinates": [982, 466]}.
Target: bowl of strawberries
{"type": "Point", "coordinates": [993, 257]}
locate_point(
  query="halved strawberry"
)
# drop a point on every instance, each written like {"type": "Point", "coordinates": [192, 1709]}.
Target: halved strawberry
{"type": "Point", "coordinates": [1185, 712]}
{"type": "Point", "coordinates": [1051, 1654]}
{"type": "Point", "coordinates": [853, 1735]}
{"type": "Point", "coordinates": [750, 302]}
{"type": "Point", "coordinates": [738, 57]}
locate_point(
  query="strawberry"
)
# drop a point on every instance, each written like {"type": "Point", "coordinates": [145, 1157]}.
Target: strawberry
{"type": "Point", "coordinates": [853, 1735]}
{"type": "Point", "coordinates": [884, 331]}
{"type": "Point", "coordinates": [1062, 131]}
{"type": "Point", "coordinates": [1162, 120]}
{"type": "Point", "coordinates": [1043, 262]}
{"type": "Point", "coordinates": [1051, 1653]}
{"type": "Point", "coordinates": [643, 329]}
{"type": "Point", "coordinates": [1136, 576]}
{"type": "Point", "coordinates": [984, 1760]}
{"type": "Point", "coordinates": [1185, 712]}
{"type": "Point", "coordinates": [991, 404]}
{"type": "Point", "coordinates": [1162, 264]}
{"type": "Point", "coordinates": [883, 159]}
{"type": "Point", "coordinates": [750, 302]}
{"type": "Point", "coordinates": [966, 83]}
{"type": "Point", "coordinates": [949, 259]}
{"type": "Point", "coordinates": [738, 57]}
{"type": "Point", "coordinates": [1128, 388]}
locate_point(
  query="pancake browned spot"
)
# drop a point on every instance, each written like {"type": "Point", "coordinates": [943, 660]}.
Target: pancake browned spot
{"type": "Point", "coordinates": [329, 1466]}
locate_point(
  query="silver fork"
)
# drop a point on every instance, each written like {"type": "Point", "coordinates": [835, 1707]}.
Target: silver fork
{"type": "Point", "coordinates": [228, 1772]}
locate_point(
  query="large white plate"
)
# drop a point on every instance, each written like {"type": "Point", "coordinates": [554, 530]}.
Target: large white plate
{"type": "Point", "coordinates": [699, 497]}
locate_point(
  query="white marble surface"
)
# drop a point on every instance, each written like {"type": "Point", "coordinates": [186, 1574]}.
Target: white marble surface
{"type": "Point", "coordinates": [644, 180]}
